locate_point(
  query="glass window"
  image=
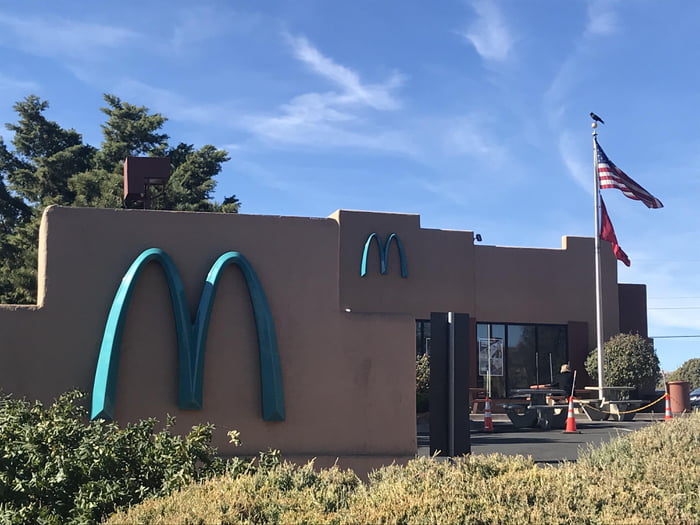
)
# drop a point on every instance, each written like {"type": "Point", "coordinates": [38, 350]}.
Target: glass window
{"type": "Point", "coordinates": [533, 354]}
{"type": "Point", "coordinates": [552, 349]}
{"type": "Point", "coordinates": [422, 337]}
{"type": "Point", "coordinates": [521, 353]}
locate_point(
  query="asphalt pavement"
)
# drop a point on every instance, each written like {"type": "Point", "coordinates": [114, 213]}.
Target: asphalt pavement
{"type": "Point", "coordinates": [544, 446]}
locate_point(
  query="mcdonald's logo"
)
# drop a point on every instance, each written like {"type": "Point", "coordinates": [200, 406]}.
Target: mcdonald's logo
{"type": "Point", "coordinates": [191, 338]}
{"type": "Point", "coordinates": [383, 249]}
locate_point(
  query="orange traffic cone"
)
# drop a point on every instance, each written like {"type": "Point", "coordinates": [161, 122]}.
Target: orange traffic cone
{"type": "Point", "coordinates": [668, 414]}
{"type": "Point", "coordinates": [570, 419]}
{"type": "Point", "coordinates": [488, 422]}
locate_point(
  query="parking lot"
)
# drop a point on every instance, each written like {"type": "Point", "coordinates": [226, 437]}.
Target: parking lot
{"type": "Point", "coordinates": [544, 446]}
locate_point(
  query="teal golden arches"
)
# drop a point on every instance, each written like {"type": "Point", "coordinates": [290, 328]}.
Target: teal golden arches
{"type": "Point", "coordinates": [383, 249]}
{"type": "Point", "coordinates": [191, 338]}
{"type": "Point", "coordinates": [105, 383]}
{"type": "Point", "coordinates": [272, 393]}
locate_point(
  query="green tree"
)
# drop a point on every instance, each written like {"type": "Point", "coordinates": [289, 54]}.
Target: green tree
{"type": "Point", "coordinates": [422, 382]}
{"type": "Point", "coordinates": [628, 360]}
{"type": "Point", "coordinates": [688, 371]}
{"type": "Point", "coordinates": [52, 165]}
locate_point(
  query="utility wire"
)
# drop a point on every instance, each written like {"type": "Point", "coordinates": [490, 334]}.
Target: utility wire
{"type": "Point", "coordinates": [672, 336]}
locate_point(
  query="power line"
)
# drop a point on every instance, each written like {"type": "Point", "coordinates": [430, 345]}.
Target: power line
{"type": "Point", "coordinates": [677, 297]}
{"type": "Point", "coordinates": [673, 336]}
{"type": "Point", "coordinates": [674, 308]}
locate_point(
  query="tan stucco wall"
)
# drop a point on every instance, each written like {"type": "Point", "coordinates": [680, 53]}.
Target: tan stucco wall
{"type": "Point", "coordinates": [527, 285]}
{"type": "Point", "coordinates": [348, 376]}
{"type": "Point", "coordinates": [448, 272]}
{"type": "Point", "coordinates": [335, 366]}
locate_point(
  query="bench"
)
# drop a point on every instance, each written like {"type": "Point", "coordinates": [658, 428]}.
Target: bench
{"type": "Point", "coordinates": [476, 396]}
{"type": "Point", "coordinates": [601, 410]}
{"type": "Point", "coordinates": [624, 405]}
{"type": "Point", "coordinates": [480, 402]}
{"type": "Point", "coordinates": [545, 416]}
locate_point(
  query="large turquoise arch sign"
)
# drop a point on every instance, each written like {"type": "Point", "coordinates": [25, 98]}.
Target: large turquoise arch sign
{"type": "Point", "coordinates": [191, 337]}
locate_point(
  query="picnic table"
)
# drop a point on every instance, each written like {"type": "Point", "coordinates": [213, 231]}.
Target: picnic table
{"type": "Point", "coordinates": [538, 412]}
{"type": "Point", "coordinates": [614, 402]}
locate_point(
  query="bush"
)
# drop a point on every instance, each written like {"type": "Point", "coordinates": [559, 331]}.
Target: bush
{"type": "Point", "coordinates": [422, 383]}
{"type": "Point", "coordinates": [629, 360]}
{"type": "Point", "coordinates": [58, 467]}
{"type": "Point", "coordinates": [423, 374]}
{"type": "Point", "coordinates": [649, 476]}
{"type": "Point", "coordinates": [688, 371]}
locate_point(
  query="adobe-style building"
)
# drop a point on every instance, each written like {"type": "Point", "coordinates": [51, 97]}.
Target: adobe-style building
{"type": "Point", "coordinates": [323, 365]}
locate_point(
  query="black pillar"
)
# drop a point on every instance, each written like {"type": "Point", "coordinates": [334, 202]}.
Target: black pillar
{"type": "Point", "coordinates": [441, 433]}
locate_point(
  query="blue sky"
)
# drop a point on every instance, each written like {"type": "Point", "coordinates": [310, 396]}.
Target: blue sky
{"type": "Point", "coordinates": [473, 114]}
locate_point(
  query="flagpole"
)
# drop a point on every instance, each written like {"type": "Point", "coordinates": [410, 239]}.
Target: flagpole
{"type": "Point", "coordinates": [598, 280]}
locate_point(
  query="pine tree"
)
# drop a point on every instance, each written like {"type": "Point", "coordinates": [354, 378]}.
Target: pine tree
{"type": "Point", "coordinates": [52, 165]}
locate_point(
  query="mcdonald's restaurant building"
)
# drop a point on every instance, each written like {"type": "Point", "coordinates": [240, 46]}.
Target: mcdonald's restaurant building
{"type": "Point", "coordinates": [150, 313]}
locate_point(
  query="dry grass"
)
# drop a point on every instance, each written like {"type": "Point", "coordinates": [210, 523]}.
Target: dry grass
{"type": "Point", "coordinates": [651, 476]}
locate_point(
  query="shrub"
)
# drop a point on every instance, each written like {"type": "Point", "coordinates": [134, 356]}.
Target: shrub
{"type": "Point", "coordinates": [422, 374]}
{"type": "Point", "coordinates": [649, 476]}
{"type": "Point", "coordinates": [688, 371]}
{"type": "Point", "coordinates": [629, 360]}
{"type": "Point", "coordinates": [58, 467]}
{"type": "Point", "coordinates": [422, 383]}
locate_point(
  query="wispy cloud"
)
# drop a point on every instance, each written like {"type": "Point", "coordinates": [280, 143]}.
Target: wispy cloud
{"type": "Point", "coordinates": [307, 121]}
{"type": "Point", "coordinates": [59, 37]}
{"type": "Point", "coordinates": [602, 20]}
{"type": "Point", "coordinates": [341, 117]}
{"type": "Point", "coordinates": [470, 136]}
{"type": "Point", "coordinates": [489, 33]}
{"type": "Point", "coordinates": [9, 84]}
{"type": "Point", "coordinates": [200, 23]}
{"type": "Point", "coordinates": [352, 90]}
{"type": "Point", "coordinates": [577, 165]}
{"type": "Point", "coordinates": [174, 105]}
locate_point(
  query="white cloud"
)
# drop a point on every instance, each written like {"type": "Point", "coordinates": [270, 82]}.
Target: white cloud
{"type": "Point", "coordinates": [353, 91]}
{"type": "Point", "coordinates": [341, 118]}
{"type": "Point", "coordinates": [578, 166]}
{"type": "Point", "coordinates": [470, 136]}
{"type": "Point", "coordinates": [59, 37]}
{"type": "Point", "coordinates": [602, 20]}
{"type": "Point", "coordinates": [337, 118]}
{"type": "Point", "coordinates": [489, 33]}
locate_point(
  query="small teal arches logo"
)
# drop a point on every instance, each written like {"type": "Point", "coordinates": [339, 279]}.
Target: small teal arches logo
{"type": "Point", "coordinates": [191, 338]}
{"type": "Point", "coordinates": [383, 249]}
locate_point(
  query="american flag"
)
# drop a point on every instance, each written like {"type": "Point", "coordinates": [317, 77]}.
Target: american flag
{"type": "Point", "coordinates": [613, 177]}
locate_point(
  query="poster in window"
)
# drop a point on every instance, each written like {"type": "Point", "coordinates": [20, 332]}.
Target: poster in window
{"type": "Point", "coordinates": [491, 351]}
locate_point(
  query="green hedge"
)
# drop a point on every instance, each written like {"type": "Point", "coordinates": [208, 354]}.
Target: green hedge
{"type": "Point", "coordinates": [650, 476]}
{"type": "Point", "coordinates": [58, 467]}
